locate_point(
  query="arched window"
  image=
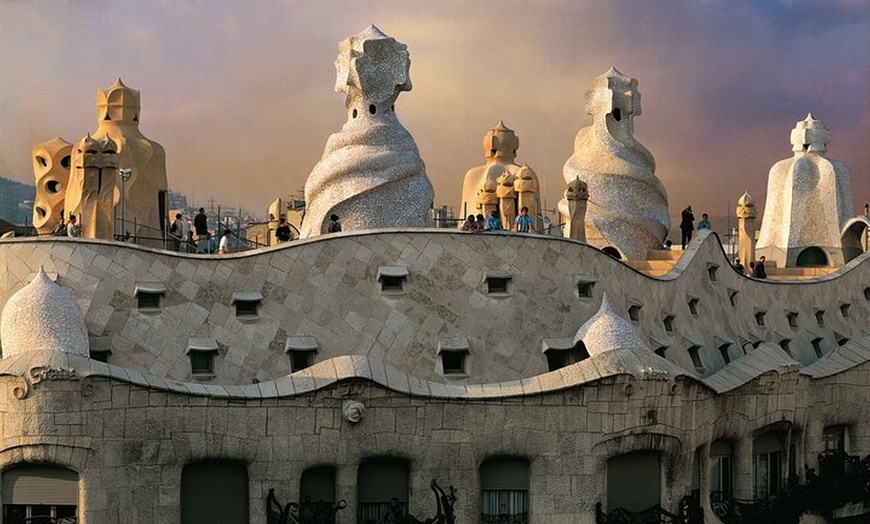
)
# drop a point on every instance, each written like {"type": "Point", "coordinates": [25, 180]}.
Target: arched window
{"type": "Point", "coordinates": [35, 494]}
{"type": "Point", "coordinates": [634, 481]}
{"type": "Point", "coordinates": [214, 492]}
{"type": "Point", "coordinates": [504, 489]}
{"type": "Point", "coordinates": [317, 495]}
{"type": "Point", "coordinates": [382, 489]}
{"type": "Point", "coordinates": [812, 257]}
{"type": "Point", "coordinates": [721, 467]}
{"type": "Point", "coordinates": [767, 473]}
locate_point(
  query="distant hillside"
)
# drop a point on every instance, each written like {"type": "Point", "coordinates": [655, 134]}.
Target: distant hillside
{"type": "Point", "coordinates": [12, 196]}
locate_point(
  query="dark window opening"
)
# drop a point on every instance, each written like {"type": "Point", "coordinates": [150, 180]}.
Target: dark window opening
{"type": "Point", "coordinates": [202, 362]}
{"type": "Point", "coordinates": [64, 162]}
{"type": "Point", "coordinates": [355, 113]}
{"type": "Point", "coordinates": [495, 285]}
{"type": "Point", "coordinates": [247, 308]}
{"type": "Point", "coordinates": [453, 362]}
{"type": "Point", "coordinates": [612, 251]}
{"type": "Point", "coordinates": [732, 297]}
{"type": "Point", "coordinates": [759, 318]}
{"type": "Point", "coordinates": [492, 152]}
{"type": "Point", "coordinates": [792, 319]}
{"type": "Point", "coordinates": [100, 356]}
{"type": "Point", "coordinates": [300, 360]}
{"type": "Point", "coordinates": [147, 300]}
{"type": "Point", "coordinates": [693, 306]}
{"type": "Point", "coordinates": [844, 310]}
{"type": "Point", "coordinates": [372, 109]}
{"type": "Point", "coordinates": [817, 347]}
{"type": "Point", "coordinates": [820, 318]}
{"type": "Point", "coordinates": [660, 351]}
{"type": "Point", "coordinates": [724, 350]}
{"type": "Point", "coordinates": [617, 114]}
{"type": "Point", "coordinates": [53, 186]}
{"type": "Point", "coordinates": [785, 344]}
{"type": "Point", "coordinates": [867, 293]}
{"type": "Point", "coordinates": [668, 321]}
{"type": "Point", "coordinates": [696, 359]}
{"type": "Point", "coordinates": [392, 283]}
{"type": "Point", "coordinates": [711, 271]}
{"type": "Point", "coordinates": [560, 358]}
{"type": "Point", "coordinates": [634, 312]}
{"type": "Point", "coordinates": [584, 289]}
{"type": "Point", "coordinates": [841, 340]}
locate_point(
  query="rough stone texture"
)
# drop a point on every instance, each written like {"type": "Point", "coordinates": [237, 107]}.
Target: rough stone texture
{"type": "Point", "coordinates": [809, 201]}
{"type": "Point", "coordinates": [628, 205]}
{"type": "Point", "coordinates": [51, 167]}
{"type": "Point", "coordinates": [371, 174]}
{"type": "Point", "coordinates": [90, 195]}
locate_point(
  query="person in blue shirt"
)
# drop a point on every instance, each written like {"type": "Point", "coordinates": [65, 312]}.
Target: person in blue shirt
{"type": "Point", "coordinates": [493, 223]}
{"type": "Point", "coordinates": [524, 223]}
{"type": "Point", "coordinates": [705, 223]}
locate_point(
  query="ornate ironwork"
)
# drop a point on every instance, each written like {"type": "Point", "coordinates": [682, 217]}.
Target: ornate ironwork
{"type": "Point", "coordinates": [307, 512]}
{"type": "Point", "coordinates": [444, 501]}
{"type": "Point", "coordinates": [519, 518]}
{"type": "Point", "coordinates": [690, 513]}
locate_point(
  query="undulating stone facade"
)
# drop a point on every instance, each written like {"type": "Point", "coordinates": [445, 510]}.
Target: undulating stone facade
{"type": "Point", "coordinates": [665, 369]}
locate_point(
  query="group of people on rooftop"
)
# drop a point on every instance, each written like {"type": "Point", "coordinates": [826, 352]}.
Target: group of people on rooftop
{"type": "Point", "coordinates": [524, 223]}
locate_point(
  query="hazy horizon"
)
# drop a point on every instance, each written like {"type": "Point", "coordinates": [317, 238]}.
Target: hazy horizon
{"type": "Point", "coordinates": [241, 94]}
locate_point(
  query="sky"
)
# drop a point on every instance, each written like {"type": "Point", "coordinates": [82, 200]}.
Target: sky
{"type": "Point", "coordinates": [240, 94]}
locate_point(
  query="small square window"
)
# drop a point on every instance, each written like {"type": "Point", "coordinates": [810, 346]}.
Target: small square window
{"type": "Point", "coordinates": [145, 300]}
{"type": "Point", "coordinates": [393, 284]}
{"type": "Point", "coordinates": [820, 317]}
{"type": "Point", "coordinates": [561, 356]}
{"type": "Point", "coordinates": [693, 306]}
{"type": "Point", "coordinates": [759, 317]}
{"type": "Point", "coordinates": [792, 317]}
{"type": "Point", "coordinates": [817, 347]}
{"type": "Point", "coordinates": [661, 350]}
{"type": "Point", "coordinates": [584, 289]}
{"type": "Point", "coordinates": [724, 350]}
{"type": "Point", "coordinates": [497, 285]}
{"type": "Point", "coordinates": [785, 344]}
{"type": "Point", "coordinates": [696, 359]}
{"type": "Point", "coordinates": [556, 359]}
{"type": "Point", "coordinates": [844, 310]}
{"type": "Point", "coordinates": [300, 360]}
{"type": "Point", "coordinates": [453, 362]}
{"type": "Point", "coordinates": [202, 362]}
{"type": "Point", "coordinates": [634, 312]}
{"type": "Point", "coordinates": [668, 321]}
{"type": "Point", "coordinates": [247, 308]}
{"type": "Point", "coordinates": [712, 271]}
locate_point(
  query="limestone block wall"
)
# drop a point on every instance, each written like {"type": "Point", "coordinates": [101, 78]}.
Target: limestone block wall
{"type": "Point", "coordinates": [327, 288]}
{"type": "Point", "coordinates": [129, 443]}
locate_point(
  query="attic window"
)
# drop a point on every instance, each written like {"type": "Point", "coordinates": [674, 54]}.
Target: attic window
{"type": "Point", "coordinates": [660, 351]}
{"type": "Point", "coordinates": [696, 359]}
{"type": "Point", "coordinates": [693, 306]}
{"type": "Point", "coordinates": [497, 283]}
{"type": "Point", "coordinates": [563, 352]}
{"type": "Point", "coordinates": [724, 350]}
{"type": "Point", "coordinates": [247, 304]}
{"type": "Point", "coordinates": [732, 297]}
{"type": "Point", "coordinates": [759, 317]}
{"type": "Point", "coordinates": [844, 309]}
{"type": "Point", "coordinates": [842, 340]}
{"type": "Point", "coordinates": [668, 321]}
{"type": "Point", "coordinates": [302, 350]}
{"type": "Point", "coordinates": [617, 114]}
{"type": "Point", "coordinates": [149, 295]}
{"type": "Point", "coordinates": [867, 293]}
{"type": "Point", "coordinates": [711, 272]}
{"type": "Point", "coordinates": [101, 355]}
{"type": "Point", "coordinates": [201, 352]}
{"type": "Point", "coordinates": [817, 346]}
{"type": "Point", "coordinates": [785, 344]}
{"type": "Point", "coordinates": [453, 353]}
{"type": "Point", "coordinates": [820, 317]}
{"type": "Point", "coordinates": [634, 312]}
{"type": "Point", "coordinates": [584, 286]}
{"type": "Point", "coordinates": [392, 278]}
{"type": "Point", "coordinates": [792, 317]}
